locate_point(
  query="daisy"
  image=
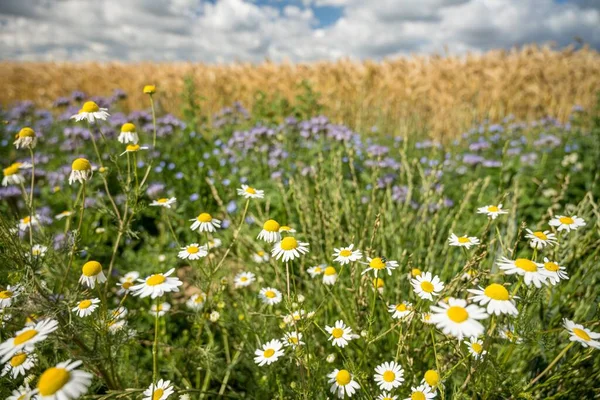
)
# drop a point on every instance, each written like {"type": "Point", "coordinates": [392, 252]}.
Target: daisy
{"type": "Point", "coordinates": [426, 318]}
{"type": "Point", "coordinates": [340, 334]}
{"type": "Point", "coordinates": [149, 89]}
{"type": "Point", "coordinates": [269, 353]}
{"type": "Point", "coordinates": [127, 281]}
{"type": "Point", "coordinates": [463, 241]}
{"type": "Point", "coordinates": [128, 134]}
{"type": "Point", "coordinates": [160, 391]}
{"type": "Point", "coordinates": [564, 223]}
{"type": "Point", "coordinates": [118, 313]}
{"type": "Point", "coordinates": [214, 243]}
{"type": "Point", "coordinates": [260, 256]}
{"type": "Point", "coordinates": [116, 325]}
{"type": "Point", "coordinates": [508, 332]}
{"type": "Point", "coordinates": [380, 263]}
{"type": "Point", "coordinates": [196, 302]}
{"type": "Point", "coordinates": [133, 148]}
{"type": "Point", "coordinates": [12, 175]}
{"type": "Point", "coordinates": [250, 193]}
{"type": "Point", "coordinates": [25, 138]}
{"type": "Point", "coordinates": [330, 276]}
{"type": "Point", "coordinates": [342, 383]}
{"type": "Point", "coordinates": [289, 249]}
{"type": "Point", "coordinates": [292, 339]}
{"type": "Point", "coordinates": [243, 279]}
{"type": "Point", "coordinates": [431, 377]}
{"type": "Point", "coordinates": [492, 211]}
{"type": "Point", "coordinates": [270, 232]}
{"type": "Point", "coordinates": [286, 229]}
{"type": "Point", "coordinates": [389, 375]}
{"type": "Point", "coordinates": [91, 112]}
{"type": "Point", "coordinates": [38, 250]}
{"type": "Point", "coordinates": [81, 171]}
{"type": "Point", "coordinates": [386, 396]}
{"type": "Point", "coordinates": [26, 338]}
{"type": "Point", "coordinates": [539, 239]}
{"type": "Point", "coordinates": [162, 309]}
{"type": "Point", "coordinates": [496, 297]}
{"type": "Point", "coordinates": [425, 285]}
{"type": "Point", "coordinates": [86, 307]}
{"type": "Point", "coordinates": [582, 335]}
{"type": "Point", "coordinates": [163, 202]}
{"type": "Point", "coordinates": [457, 319]}
{"type": "Point", "coordinates": [19, 364]}
{"type": "Point", "coordinates": [63, 214]}
{"type": "Point", "coordinates": [270, 296]}
{"type": "Point", "coordinates": [316, 270]}
{"type": "Point", "coordinates": [22, 393]}
{"type": "Point", "coordinates": [193, 252]}
{"type": "Point", "coordinates": [91, 272]}
{"type": "Point", "coordinates": [156, 285]}
{"type": "Point", "coordinates": [532, 272]}
{"type": "Point", "coordinates": [297, 316]}
{"type": "Point", "coordinates": [423, 392]}
{"type": "Point", "coordinates": [400, 310]}
{"type": "Point", "coordinates": [475, 347]}
{"type": "Point", "coordinates": [27, 222]}
{"type": "Point", "coordinates": [7, 296]}
{"type": "Point", "coordinates": [554, 272]}
{"type": "Point", "coordinates": [344, 255]}
{"type": "Point", "coordinates": [205, 223]}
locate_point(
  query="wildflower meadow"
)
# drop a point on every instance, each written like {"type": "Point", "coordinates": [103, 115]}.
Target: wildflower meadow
{"type": "Point", "coordinates": [270, 252]}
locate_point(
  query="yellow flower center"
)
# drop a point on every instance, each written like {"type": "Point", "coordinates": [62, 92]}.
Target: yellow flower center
{"type": "Point", "coordinates": [417, 396]}
{"type": "Point", "coordinates": [91, 268]}
{"type": "Point", "coordinates": [526, 265]}
{"type": "Point", "coordinates": [89, 107]}
{"type": "Point", "coordinates": [270, 294]}
{"type": "Point", "coordinates": [149, 89]}
{"type": "Point", "coordinates": [540, 235]}
{"type": "Point", "coordinates": [432, 377]}
{"type": "Point", "coordinates": [476, 347]}
{"type": "Point", "coordinates": [81, 164]}
{"type": "Point", "coordinates": [157, 394]}
{"type": "Point", "coordinates": [6, 294]}
{"type": "Point", "coordinates": [128, 127]}
{"type": "Point", "coordinates": [427, 286]}
{"type": "Point", "coordinates": [271, 226]}
{"type": "Point", "coordinates": [250, 190]}
{"type": "Point", "coordinates": [204, 217]}
{"type": "Point", "coordinates": [457, 314]}
{"type": "Point", "coordinates": [343, 377]}
{"type": "Point", "coordinates": [199, 299]}
{"type": "Point", "coordinates": [22, 397]}
{"type": "Point", "coordinates": [377, 263]}
{"type": "Point", "coordinates": [566, 220]}
{"type": "Point", "coordinates": [156, 279]}
{"type": "Point", "coordinates": [415, 272]}
{"type": "Point", "coordinates": [84, 304]}
{"type": "Point", "coordinates": [551, 266]}
{"type": "Point", "coordinates": [268, 353]}
{"type": "Point", "coordinates": [127, 284]}
{"type": "Point", "coordinates": [26, 132]}
{"type": "Point", "coordinates": [12, 169]}
{"type": "Point", "coordinates": [26, 220]}
{"type": "Point", "coordinates": [337, 333]}
{"type": "Point", "coordinates": [132, 147]}
{"type": "Point", "coordinates": [582, 334]}
{"type": "Point", "coordinates": [18, 359]}
{"type": "Point", "coordinates": [243, 279]}
{"type": "Point", "coordinates": [496, 291]}
{"type": "Point", "coordinates": [193, 249]}
{"type": "Point", "coordinates": [293, 339]}
{"type": "Point", "coordinates": [25, 336]}
{"type": "Point", "coordinates": [493, 209]}
{"type": "Point", "coordinates": [162, 201]}
{"type": "Point", "coordinates": [330, 271]}
{"type": "Point", "coordinates": [285, 228]}
{"type": "Point", "coordinates": [52, 380]}
{"type": "Point", "coordinates": [463, 239]}
{"type": "Point", "coordinates": [345, 253]}
{"type": "Point", "coordinates": [389, 376]}
{"type": "Point", "coordinates": [260, 253]}
{"type": "Point", "coordinates": [401, 307]}
{"type": "Point", "coordinates": [289, 243]}
{"type": "Point", "coordinates": [318, 270]}
{"type": "Point", "coordinates": [378, 283]}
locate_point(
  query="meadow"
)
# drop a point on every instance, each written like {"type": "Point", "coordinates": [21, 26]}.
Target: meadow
{"type": "Point", "coordinates": [289, 251]}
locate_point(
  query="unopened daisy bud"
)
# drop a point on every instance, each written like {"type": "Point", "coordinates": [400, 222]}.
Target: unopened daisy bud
{"type": "Point", "coordinates": [149, 89]}
{"type": "Point", "coordinates": [128, 134]}
{"type": "Point", "coordinates": [415, 272]}
{"type": "Point", "coordinates": [25, 138]}
{"type": "Point", "coordinates": [364, 333]}
{"type": "Point", "coordinates": [102, 170]}
{"type": "Point", "coordinates": [301, 298]}
{"type": "Point", "coordinates": [162, 257]}
{"type": "Point", "coordinates": [241, 317]}
{"type": "Point", "coordinates": [431, 377]}
{"type": "Point", "coordinates": [330, 358]}
{"type": "Point", "coordinates": [81, 171]}
{"type": "Point", "coordinates": [221, 305]}
{"type": "Point", "coordinates": [214, 316]}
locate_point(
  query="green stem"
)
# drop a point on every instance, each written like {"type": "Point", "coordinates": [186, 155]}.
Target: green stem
{"type": "Point", "coordinates": [155, 346]}
{"type": "Point", "coordinates": [549, 367]}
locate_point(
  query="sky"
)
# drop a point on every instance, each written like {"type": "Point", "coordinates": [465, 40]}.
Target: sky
{"type": "Point", "coordinates": [225, 31]}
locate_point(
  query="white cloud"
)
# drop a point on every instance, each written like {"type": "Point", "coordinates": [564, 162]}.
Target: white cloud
{"type": "Point", "coordinates": [228, 30]}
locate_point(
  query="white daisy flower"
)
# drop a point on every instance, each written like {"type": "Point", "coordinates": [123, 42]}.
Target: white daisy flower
{"type": "Point", "coordinates": [463, 241]}
{"type": "Point", "coordinates": [539, 239]}
{"type": "Point", "coordinates": [340, 334]}
{"type": "Point", "coordinates": [389, 375]}
{"type": "Point", "coordinates": [554, 272]}
{"type": "Point", "coordinates": [26, 139]}
{"type": "Point", "coordinates": [26, 338]}
{"type": "Point", "coordinates": [91, 272]}
{"type": "Point", "coordinates": [260, 256]}
{"type": "Point", "coordinates": [492, 211]}
{"type": "Point", "coordinates": [81, 171]}
{"type": "Point", "coordinates": [345, 255]}
{"type": "Point", "coordinates": [133, 148]}
{"type": "Point", "coordinates": [426, 318]}
{"type": "Point", "coordinates": [161, 391]}
{"type": "Point", "coordinates": [289, 249]}
{"type": "Point", "coordinates": [63, 214]}
{"type": "Point", "coordinates": [243, 279]}
{"type": "Point", "coordinates": [292, 339]}
{"type": "Point", "coordinates": [86, 307]}
{"type": "Point", "coordinates": [196, 302]}
{"type": "Point", "coordinates": [156, 285]}
{"type": "Point", "coordinates": [458, 319]}
{"type": "Point", "coordinates": [128, 134]}
{"type": "Point", "coordinates": [426, 286]}
{"type": "Point", "coordinates": [496, 297]}
{"type": "Point", "coordinates": [342, 383]}
{"type": "Point", "coordinates": [205, 223]}
{"type": "Point", "coordinates": [508, 332]}
{"type": "Point", "coordinates": [316, 270]}
{"type": "Point", "coordinates": [19, 364]}
{"type": "Point", "coordinates": [378, 264]}
{"type": "Point", "coordinates": [193, 252]}
{"type": "Point", "coordinates": [23, 392]}
{"type": "Point", "coordinates": [297, 316]}
{"type": "Point", "coordinates": [91, 112]}
{"type": "Point", "coordinates": [12, 174]}
{"type": "Point", "coordinates": [116, 325]}
{"type": "Point", "coordinates": [330, 276]}
{"type": "Point", "coordinates": [7, 296]}
{"type": "Point", "coordinates": [163, 202]}
{"type": "Point", "coordinates": [565, 223]}
{"type": "Point", "coordinates": [270, 296]}
{"type": "Point", "coordinates": [127, 281]}
{"type": "Point", "coordinates": [118, 313]}
{"type": "Point", "coordinates": [400, 310]}
{"type": "Point", "coordinates": [475, 347]}
{"type": "Point", "coordinates": [386, 396]}
{"type": "Point", "coordinates": [581, 334]}
{"type": "Point", "coordinates": [28, 222]}
{"type": "Point", "coordinates": [250, 192]}
{"type": "Point", "coordinates": [214, 316]}
{"type": "Point", "coordinates": [269, 353]}
{"type": "Point", "coordinates": [270, 232]}
{"type": "Point", "coordinates": [532, 272]}
{"type": "Point", "coordinates": [286, 229]}
{"type": "Point", "coordinates": [214, 243]}
{"type": "Point", "coordinates": [161, 309]}
{"type": "Point", "coordinates": [422, 392]}
{"type": "Point", "coordinates": [38, 250]}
